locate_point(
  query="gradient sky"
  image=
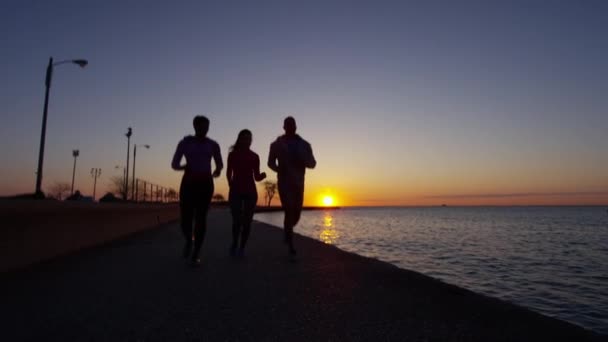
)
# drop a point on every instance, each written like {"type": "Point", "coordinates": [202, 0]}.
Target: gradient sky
{"type": "Point", "coordinates": [404, 102]}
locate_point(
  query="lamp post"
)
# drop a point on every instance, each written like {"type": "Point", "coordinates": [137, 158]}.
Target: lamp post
{"type": "Point", "coordinates": [135, 156]}
{"type": "Point", "coordinates": [49, 76]}
{"type": "Point", "coordinates": [124, 174]}
{"type": "Point", "coordinates": [128, 135]}
{"type": "Point", "coordinates": [75, 154]}
{"type": "Point", "coordinates": [95, 173]}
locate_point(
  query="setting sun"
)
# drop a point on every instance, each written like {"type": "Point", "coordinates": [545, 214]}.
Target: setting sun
{"type": "Point", "coordinates": [328, 201]}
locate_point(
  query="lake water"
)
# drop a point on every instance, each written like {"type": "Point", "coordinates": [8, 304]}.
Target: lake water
{"type": "Point", "coordinates": [550, 259]}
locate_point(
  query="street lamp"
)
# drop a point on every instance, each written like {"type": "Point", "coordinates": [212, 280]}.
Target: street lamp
{"type": "Point", "coordinates": [118, 167]}
{"type": "Point", "coordinates": [124, 174]}
{"type": "Point", "coordinates": [49, 76]}
{"type": "Point", "coordinates": [95, 173]}
{"type": "Point", "coordinates": [75, 154]}
{"type": "Point", "coordinates": [128, 135]}
{"type": "Point", "coordinates": [135, 156]}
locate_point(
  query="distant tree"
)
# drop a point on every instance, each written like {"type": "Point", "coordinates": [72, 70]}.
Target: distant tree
{"type": "Point", "coordinates": [218, 198]}
{"type": "Point", "coordinates": [117, 186]}
{"type": "Point", "coordinates": [60, 190]}
{"type": "Point", "coordinates": [171, 195]}
{"type": "Point", "coordinates": [76, 196]}
{"type": "Point", "coordinates": [109, 197]}
{"type": "Point", "coordinates": [270, 188]}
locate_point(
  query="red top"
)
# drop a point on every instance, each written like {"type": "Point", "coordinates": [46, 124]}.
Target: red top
{"type": "Point", "coordinates": [243, 170]}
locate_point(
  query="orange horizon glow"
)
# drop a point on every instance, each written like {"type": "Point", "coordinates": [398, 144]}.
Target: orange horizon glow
{"type": "Point", "coordinates": [348, 193]}
{"type": "Point", "coordinates": [472, 200]}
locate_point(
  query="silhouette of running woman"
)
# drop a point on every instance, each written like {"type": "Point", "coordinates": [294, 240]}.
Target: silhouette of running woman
{"type": "Point", "coordinates": [197, 183]}
{"type": "Point", "coordinates": [242, 172]}
{"type": "Point", "coordinates": [289, 157]}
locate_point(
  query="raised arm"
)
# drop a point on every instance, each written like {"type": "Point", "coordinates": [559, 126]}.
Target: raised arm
{"type": "Point", "coordinates": [217, 158]}
{"type": "Point", "coordinates": [177, 158]}
{"type": "Point", "coordinates": [272, 158]}
{"type": "Point", "coordinates": [256, 170]}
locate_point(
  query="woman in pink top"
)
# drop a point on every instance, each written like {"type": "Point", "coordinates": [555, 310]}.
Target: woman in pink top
{"type": "Point", "coordinates": [242, 172]}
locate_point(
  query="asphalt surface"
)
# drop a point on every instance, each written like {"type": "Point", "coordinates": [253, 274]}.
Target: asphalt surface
{"type": "Point", "coordinates": [140, 289]}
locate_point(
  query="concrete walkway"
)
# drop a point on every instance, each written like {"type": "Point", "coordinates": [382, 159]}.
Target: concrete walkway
{"type": "Point", "coordinates": [139, 289]}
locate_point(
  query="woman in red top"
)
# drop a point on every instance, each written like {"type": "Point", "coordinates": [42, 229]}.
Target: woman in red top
{"type": "Point", "coordinates": [243, 170]}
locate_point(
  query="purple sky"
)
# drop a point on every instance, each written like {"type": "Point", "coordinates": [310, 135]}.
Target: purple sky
{"type": "Point", "coordinates": [403, 101]}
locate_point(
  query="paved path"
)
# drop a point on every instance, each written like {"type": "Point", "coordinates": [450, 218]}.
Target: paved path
{"type": "Point", "coordinates": [140, 289]}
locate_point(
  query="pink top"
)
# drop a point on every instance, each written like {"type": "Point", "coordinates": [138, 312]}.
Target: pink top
{"type": "Point", "coordinates": [243, 170]}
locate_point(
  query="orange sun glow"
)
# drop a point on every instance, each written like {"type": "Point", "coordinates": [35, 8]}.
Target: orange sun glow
{"type": "Point", "coordinates": [328, 201]}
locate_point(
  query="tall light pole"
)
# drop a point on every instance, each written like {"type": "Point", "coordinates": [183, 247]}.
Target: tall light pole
{"type": "Point", "coordinates": [135, 156]}
{"type": "Point", "coordinates": [124, 174]}
{"type": "Point", "coordinates": [49, 76]}
{"type": "Point", "coordinates": [95, 173]}
{"type": "Point", "coordinates": [128, 135]}
{"type": "Point", "coordinates": [75, 154]}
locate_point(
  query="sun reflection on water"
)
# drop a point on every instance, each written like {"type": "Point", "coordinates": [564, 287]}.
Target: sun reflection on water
{"type": "Point", "coordinates": [328, 234]}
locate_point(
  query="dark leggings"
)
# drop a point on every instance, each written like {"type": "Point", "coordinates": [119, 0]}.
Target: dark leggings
{"type": "Point", "coordinates": [292, 199]}
{"type": "Point", "coordinates": [242, 207]}
{"type": "Point", "coordinates": [195, 198]}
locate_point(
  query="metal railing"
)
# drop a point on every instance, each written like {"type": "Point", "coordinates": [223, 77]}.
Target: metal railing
{"type": "Point", "coordinates": [149, 192]}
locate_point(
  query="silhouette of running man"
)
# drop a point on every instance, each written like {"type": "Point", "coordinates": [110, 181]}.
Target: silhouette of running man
{"type": "Point", "coordinates": [289, 157]}
{"type": "Point", "coordinates": [196, 187]}
{"type": "Point", "coordinates": [242, 172]}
